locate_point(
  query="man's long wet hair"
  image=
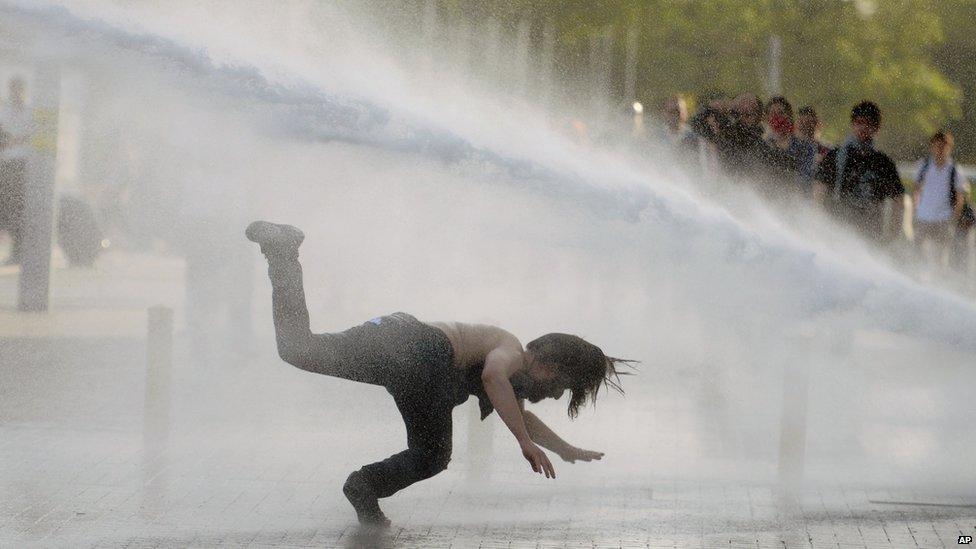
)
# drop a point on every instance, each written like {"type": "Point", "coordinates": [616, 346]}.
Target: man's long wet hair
{"type": "Point", "coordinates": [583, 363]}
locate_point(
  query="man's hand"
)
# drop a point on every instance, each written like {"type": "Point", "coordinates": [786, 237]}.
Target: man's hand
{"type": "Point", "coordinates": [572, 454]}
{"type": "Point", "coordinates": [538, 459]}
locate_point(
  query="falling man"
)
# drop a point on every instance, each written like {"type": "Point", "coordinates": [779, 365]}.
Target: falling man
{"type": "Point", "coordinates": [429, 368]}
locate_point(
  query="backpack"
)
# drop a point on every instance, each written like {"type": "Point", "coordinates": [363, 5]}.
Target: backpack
{"type": "Point", "coordinates": [78, 233]}
{"type": "Point", "coordinates": [967, 218]}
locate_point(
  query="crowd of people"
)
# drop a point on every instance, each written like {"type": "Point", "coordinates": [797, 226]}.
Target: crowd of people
{"type": "Point", "coordinates": [771, 145]}
{"type": "Point", "coordinates": [781, 152]}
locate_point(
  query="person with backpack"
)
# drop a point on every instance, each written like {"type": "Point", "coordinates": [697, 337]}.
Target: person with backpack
{"type": "Point", "coordinates": [855, 180]}
{"type": "Point", "coordinates": [940, 200]}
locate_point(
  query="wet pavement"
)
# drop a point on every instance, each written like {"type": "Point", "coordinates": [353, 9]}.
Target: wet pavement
{"type": "Point", "coordinates": [255, 454]}
{"type": "Point", "coordinates": [98, 450]}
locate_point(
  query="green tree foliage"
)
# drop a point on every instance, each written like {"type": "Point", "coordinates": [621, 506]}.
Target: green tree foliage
{"type": "Point", "coordinates": [955, 57]}
{"type": "Point", "coordinates": [915, 58]}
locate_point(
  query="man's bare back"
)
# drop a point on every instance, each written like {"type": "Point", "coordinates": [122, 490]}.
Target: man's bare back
{"type": "Point", "coordinates": [473, 342]}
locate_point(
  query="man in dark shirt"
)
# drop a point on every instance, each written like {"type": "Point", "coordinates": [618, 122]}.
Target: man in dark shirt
{"type": "Point", "coordinates": [741, 147]}
{"type": "Point", "coordinates": [855, 179]}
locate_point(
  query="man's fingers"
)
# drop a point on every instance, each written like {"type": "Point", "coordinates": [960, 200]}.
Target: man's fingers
{"type": "Point", "coordinates": [541, 464]}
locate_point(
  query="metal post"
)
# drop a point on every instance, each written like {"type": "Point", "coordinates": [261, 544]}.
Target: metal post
{"type": "Point", "coordinates": [775, 80]}
{"type": "Point", "coordinates": [522, 56]}
{"type": "Point", "coordinates": [38, 219]}
{"type": "Point", "coordinates": [601, 46]}
{"type": "Point", "coordinates": [630, 64]}
{"type": "Point", "coordinates": [971, 261]}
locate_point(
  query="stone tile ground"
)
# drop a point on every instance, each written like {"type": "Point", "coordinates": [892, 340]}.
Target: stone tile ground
{"type": "Point", "coordinates": [243, 451]}
{"type": "Point", "coordinates": [241, 463]}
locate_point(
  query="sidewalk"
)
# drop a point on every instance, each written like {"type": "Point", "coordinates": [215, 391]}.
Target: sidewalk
{"type": "Point", "coordinates": [245, 451]}
{"type": "Point", "coordinates": [254, 453]}
{"type": "Point", "coordinates": [108, 301]}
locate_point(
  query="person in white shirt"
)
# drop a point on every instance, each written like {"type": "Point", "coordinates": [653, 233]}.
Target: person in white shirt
{"type": "Point", "coordinates": [16, 129]}
{"type": "Point", "coordinates": [940, 194]}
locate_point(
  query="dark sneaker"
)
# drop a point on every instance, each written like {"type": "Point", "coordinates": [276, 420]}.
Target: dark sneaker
{"type": "Point", "coordinates": [274, 237]}
{"type": "Point", "coordinates": [364, 501]}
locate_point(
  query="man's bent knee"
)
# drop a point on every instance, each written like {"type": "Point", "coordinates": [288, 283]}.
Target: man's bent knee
{"type": "Point", "coordinates": [433, 464]}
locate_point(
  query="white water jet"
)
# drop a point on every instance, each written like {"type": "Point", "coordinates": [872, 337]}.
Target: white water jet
{"type": "Point", "coordinates": [438, 193]}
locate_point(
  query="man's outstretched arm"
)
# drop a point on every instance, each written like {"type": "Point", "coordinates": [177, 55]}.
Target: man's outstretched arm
{"type": "Point", "coordinates": [541, 434]}
{"type": "Point", "coordinates": [499, 364]}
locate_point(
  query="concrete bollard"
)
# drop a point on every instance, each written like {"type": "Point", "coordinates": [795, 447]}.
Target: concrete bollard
{"type": "Point", "coordinates": [159, 355]}
{"type": "Point", "coordinates": [155, 430]}
{"type": "Point", "coordinates": [159, 338]}
{"type": "Point", "coordinates": [793, 421]}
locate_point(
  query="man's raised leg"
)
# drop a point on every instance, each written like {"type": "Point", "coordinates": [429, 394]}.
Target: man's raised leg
{"type": "Point", "coordinates": [356, 354]}
{"type": "Point", "coordinates": [279, 243]}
